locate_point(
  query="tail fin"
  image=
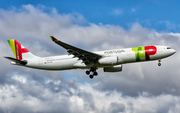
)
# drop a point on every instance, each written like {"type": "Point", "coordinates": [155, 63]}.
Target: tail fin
{"type": "Point", "coordinates": [20, 52]}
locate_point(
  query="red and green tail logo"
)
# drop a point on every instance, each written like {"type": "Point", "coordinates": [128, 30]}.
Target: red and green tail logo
{"type": "Point", "coordinates": [17, 49]}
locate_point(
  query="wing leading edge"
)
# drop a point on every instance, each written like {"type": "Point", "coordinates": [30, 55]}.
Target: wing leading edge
{"type": "Point", "coordinates": [86, 56]}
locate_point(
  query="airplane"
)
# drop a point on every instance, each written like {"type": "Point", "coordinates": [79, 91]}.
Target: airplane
{"type": "Point", "coordinates": [109, 60]}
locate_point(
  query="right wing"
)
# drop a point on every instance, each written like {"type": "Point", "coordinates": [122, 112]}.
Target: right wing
{"type": "Point", "coordinates": [86, 56]}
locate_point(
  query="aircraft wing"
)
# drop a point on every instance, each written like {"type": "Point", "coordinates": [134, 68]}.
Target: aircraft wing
{"type": "Point", "coordinates": [84, 55]}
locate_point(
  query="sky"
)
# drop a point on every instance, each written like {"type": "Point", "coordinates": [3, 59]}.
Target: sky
{"type": "Point", "coordinates": [91, 25]}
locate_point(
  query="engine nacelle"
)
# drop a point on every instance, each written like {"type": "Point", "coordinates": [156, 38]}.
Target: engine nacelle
{"type": "Point", "coordinates": [108, 60]}
{"type": "Point", "coordinates": [117, 68]}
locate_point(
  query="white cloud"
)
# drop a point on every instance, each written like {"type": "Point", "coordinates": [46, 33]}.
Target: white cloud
{"type": "Point", "coordinates": [117, 12]}
{"type": "Point", "coordinates": [141, 87]}
{"type": "Point", "coordinates": [169, 26]}
{"type": "Point", "coordinates": [48, 101]}
{"type": "Point", "coordinates": [20, 79]}
{"type": "Point", "coordinates": [133, 9]}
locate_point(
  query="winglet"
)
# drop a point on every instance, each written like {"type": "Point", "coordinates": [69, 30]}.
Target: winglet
{"type": "Point", "coordinates": [53, 38]}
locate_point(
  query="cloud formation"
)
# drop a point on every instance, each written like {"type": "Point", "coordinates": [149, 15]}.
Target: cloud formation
{"type": "Point", "coordinates": [117, 12]}
{"type": "Point", "coordinates": [141, 87]}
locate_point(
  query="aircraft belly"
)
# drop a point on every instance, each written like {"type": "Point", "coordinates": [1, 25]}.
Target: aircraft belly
{"type": "Point", "coordinates": [80, 64]}
{"type": "Point", "coordinates": [60, 65]}
{"type": "Point", "coordinates": [127, 58]}
{"type": "Point", "coordinates": [53, 65]}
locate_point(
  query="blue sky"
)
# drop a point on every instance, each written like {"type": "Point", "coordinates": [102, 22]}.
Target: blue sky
{"type": "Point", "coordinates": [161, 15]}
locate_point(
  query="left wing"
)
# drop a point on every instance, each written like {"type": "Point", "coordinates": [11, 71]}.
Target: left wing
{"type": "Point", "coordinates": [86, 56]}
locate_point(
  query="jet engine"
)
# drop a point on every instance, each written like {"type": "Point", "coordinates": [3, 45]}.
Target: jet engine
{"type": "Point", "coordinates": [117, 68]}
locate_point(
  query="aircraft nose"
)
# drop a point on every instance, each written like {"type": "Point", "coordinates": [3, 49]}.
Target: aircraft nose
{"type": "Point", "coordinates": [173, 51]}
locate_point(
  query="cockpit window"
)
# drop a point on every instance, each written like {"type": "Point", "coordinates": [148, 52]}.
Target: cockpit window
{"type": "Point", "coordinates": [168, 48]}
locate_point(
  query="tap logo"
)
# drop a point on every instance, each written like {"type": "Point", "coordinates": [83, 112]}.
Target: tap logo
{"type": "Point", "coordinates": [144, 53]}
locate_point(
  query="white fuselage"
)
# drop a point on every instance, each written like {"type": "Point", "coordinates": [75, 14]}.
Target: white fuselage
{"type": "Point", "coordinates": [110, 58]}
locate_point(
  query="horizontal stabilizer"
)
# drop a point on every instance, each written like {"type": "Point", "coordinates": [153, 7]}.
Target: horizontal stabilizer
{"type": "Point", "coordinates": [22, 62]}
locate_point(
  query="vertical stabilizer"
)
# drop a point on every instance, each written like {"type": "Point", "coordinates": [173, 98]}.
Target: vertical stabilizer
{"type": "Point", "coordinates": [20, 52]}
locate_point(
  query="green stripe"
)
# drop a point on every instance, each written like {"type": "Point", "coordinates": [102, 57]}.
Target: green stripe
{"type": "Point", "coordinates": [51, 38]}
{"type": "Point", "coordinates": [12, 45]}
{"type": "Point", "coordinates": [139, 52]}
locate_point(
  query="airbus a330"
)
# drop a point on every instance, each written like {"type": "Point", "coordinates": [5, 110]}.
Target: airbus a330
{"type": "Point", "coordinates": [109, 60]}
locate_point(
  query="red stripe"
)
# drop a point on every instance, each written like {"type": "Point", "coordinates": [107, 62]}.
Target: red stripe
{"type": "Point", "coordinates": [19, 50]}
{"type": "Point", "coordinates": [24, 50]}
{"type": "Point", "coordinates": [54, 39]}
